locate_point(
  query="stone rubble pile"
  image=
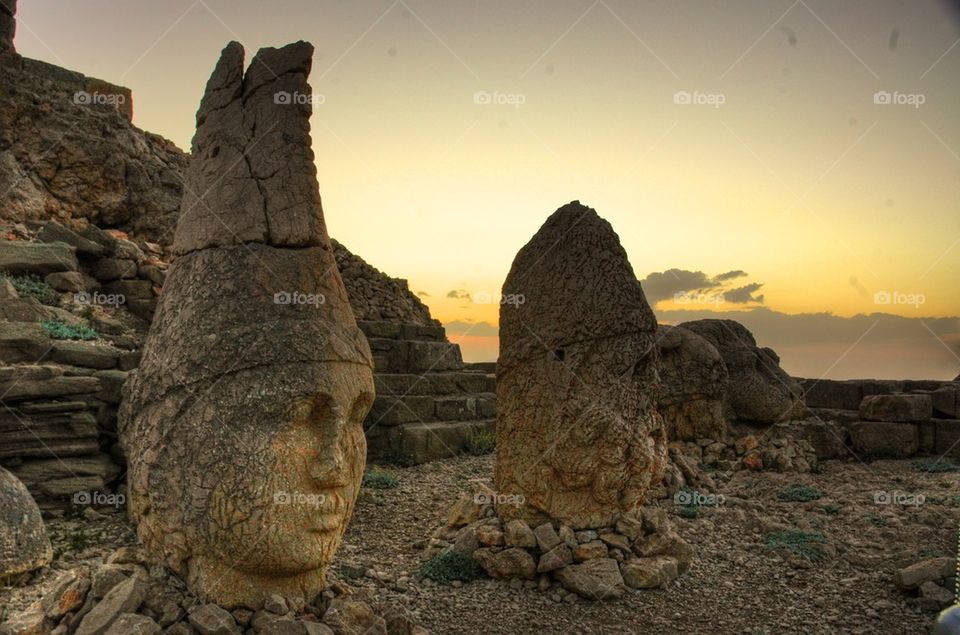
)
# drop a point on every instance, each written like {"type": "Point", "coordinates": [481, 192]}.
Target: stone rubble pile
{"type": "Point", "coordinates": [929, 583]}
{"type": "Point", "coordinates": [125, 594]}
{"type": "Point", "coordinates": [640, 551]}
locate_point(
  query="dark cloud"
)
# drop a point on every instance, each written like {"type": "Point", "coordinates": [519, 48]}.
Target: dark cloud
{"type": "Point", "coordinates": [423, 294]}
{"type": "Point", "coordinates": [458, 294]}
{"type": "Point", "coordinates": [730, 275]}
{"type": "Point", "coordinates": [460, 327]}
{"type": "Point", "coordinates": [744, 294]}
{"type": "Point", "coordinates": [663, 285]}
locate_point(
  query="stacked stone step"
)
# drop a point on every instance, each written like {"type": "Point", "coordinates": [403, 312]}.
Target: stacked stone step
{"type": "Point", "coordinates": [59, 397]}
{"type": "Point", "coordinates": [429, 404]}
{"type": "Point", "coordinates": [883, 418]}
{"type": "Point", "coordinates": [58, 420]}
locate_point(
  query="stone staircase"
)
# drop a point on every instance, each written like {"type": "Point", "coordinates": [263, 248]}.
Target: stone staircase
{"type": "Point", "coordinates": [429, 403]}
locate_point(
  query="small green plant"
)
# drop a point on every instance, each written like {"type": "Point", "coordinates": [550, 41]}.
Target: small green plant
{"type": "Point", "coordinates": [448, 566]}
{"type": "Point", "coordinates": [481, 442]}
{"type": "Point", "coordinates": [876, 519]}
{"type": "Point", "coordinates": [806, 544]}
{"type": "Point", "coordinates": [832, 508]}
{"type": "Point", "coordinates": [799, 493]}
{"type": "Point", "coordinates": [60, 330]}
{"type": "Point", "coordinates": [78, 539]}
{"type": "Point", "coordinates": [932, 466]}
{"type": "Point", "coordinates": [689, 512]}
{"type": "Point", "coordinates": [31, 286]}
{"type": "Point", "coordinates": [376, 478]}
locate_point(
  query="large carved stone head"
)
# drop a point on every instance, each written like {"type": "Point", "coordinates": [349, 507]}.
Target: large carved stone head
{"type": "Point", "coordinates": [243, 425]}
{"type": "Point", "coordinates": [579, 438]}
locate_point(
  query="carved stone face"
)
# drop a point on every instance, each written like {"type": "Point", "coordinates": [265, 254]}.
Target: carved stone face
{"type": "Point", "coordinates": [284, 483]}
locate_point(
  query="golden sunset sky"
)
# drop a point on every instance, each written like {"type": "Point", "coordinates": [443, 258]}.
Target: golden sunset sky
{"type": "Point", "coordinates": [784, 167]}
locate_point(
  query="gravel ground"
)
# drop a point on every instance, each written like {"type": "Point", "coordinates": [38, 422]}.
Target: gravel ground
{"type": "Point", "coordinates": [736, 583]}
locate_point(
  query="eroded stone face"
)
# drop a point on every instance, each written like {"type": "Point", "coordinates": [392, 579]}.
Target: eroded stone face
{"type": "Point", "coordinates": [579, 439]}
{"type": "Point", "coordinates": [243, 424]}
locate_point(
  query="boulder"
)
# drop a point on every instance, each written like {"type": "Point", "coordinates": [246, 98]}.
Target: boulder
{"type": "Point", "coordinates": [896, 408]}
{"type": "Point", "coordinates": [19, 257]}
{"type": "Point", "coordinates": [597, 579]}
{"type": "Point", "coordinates": [210, 619]}
{"type": "Point", "coordinates": [347, 616]}
{"type": "Point", "coordinates": [243, 424]}
{"type": "Point", "coordinates": [649, 573]}
{"type": "Point", "coordinates": [579, 437]}
{"type": "Point", "coordinates": [52, 232]}
{"type": "Point", "coordinates": [758, 390]}
{"type": "Point", "coordinates": [694, 379]}
{"type": "Point", "coordinates": [929, 570]}
{"type": "Point", "coordinates": [889, 440]}
{"type": "Point", "coordinates": [126, 597]}
{"type": "Point", "coordinates": [24, 544]}
{"type": "Point", "coordinates": [507, 563]}
{"type": "Point", "coordinates": [518, 534]}
{"type": "Point", "coordinates": [559, 556]}
{"type": "Point", "coordinates": [127, 623]}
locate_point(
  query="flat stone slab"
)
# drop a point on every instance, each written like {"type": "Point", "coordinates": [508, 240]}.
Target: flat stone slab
{"type": "Point", "coordinates": [896, 408]}
{"type": "Point", "coordinates": [20, 257]}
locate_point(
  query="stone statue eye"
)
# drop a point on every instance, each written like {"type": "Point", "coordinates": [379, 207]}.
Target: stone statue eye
{"type": "Point", "coordinates": [361, 405]}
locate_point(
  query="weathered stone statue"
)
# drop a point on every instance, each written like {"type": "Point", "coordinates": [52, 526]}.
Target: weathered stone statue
{"type": "Point", "coordinates": [693, 381]}
{"type": "Point", "coordinates": [243, 424]}
{"type": "Point", "coordinates": [759, 391]}
{"type": "Point", "coordinates": [24, 544]}
{"type": "Point", "coordinates": [579, 439]}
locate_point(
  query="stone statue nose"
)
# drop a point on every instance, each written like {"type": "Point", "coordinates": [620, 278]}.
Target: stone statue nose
{"type": "Point", "coordinates": [329, 467]}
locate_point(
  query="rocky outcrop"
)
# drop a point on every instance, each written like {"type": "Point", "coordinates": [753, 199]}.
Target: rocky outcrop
{"type": "Point", "coordinates": [120, 597]}
{"type": "Point", "coordinates": [68, 150]}
{"type": "Point", "coordinates": [694, 381]}
{"type": "Point", "coordinates": [641, 551]}
{"type": "Point", "coordinates": [24, 544]}
{"type": "Point", "coordinates": [579, 438]}
{"type": "Point", "coordinates": [375, 296]}
{"type": "Point", "coordinates": [8, 25]}
{"type": "Point", "coordinates": [758, 391]}
{"type": "Point", "coordinates": [243, 424]}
